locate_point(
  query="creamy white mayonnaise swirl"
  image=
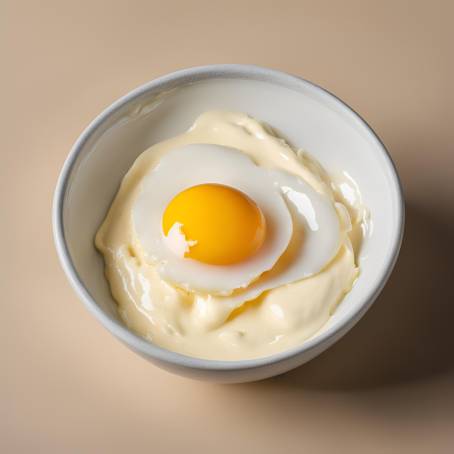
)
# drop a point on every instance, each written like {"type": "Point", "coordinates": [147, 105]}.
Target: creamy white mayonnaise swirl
{"type": "Point", "coordinates": [198, 324]}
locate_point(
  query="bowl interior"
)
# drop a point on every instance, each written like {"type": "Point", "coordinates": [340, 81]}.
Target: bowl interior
{"type": "Point", "coordinates": [306, 116]}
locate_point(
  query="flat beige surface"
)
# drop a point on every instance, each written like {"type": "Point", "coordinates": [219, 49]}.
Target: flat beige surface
{"type": "Point", "coordinates": [67, 386]}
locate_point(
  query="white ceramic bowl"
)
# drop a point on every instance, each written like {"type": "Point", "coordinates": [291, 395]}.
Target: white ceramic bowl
{"type": "Point", "coordinates": [308, 116]}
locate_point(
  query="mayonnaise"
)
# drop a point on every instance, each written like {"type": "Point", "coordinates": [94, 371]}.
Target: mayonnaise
{"type": "Point", "coordinates": [200, 325]}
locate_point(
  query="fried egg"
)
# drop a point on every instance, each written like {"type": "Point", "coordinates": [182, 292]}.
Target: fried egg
{"type": "Point", "coordinates": [214, 222]}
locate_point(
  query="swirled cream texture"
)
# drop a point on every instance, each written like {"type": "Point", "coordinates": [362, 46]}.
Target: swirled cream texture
{"type": "Point", "coordinates": [253, 311]}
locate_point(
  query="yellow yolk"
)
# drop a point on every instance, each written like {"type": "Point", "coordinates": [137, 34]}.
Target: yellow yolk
{"type": "Point", "coordinates": [225, 225]}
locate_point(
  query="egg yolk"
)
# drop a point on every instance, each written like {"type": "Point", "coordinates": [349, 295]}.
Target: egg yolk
{"type": "Point", "coordinates": [223, 225]}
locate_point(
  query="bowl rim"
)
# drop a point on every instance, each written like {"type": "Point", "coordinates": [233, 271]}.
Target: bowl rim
{"type": "Point", "coordinates": [183, 77]}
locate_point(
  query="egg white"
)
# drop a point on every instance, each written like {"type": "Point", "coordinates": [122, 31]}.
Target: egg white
{"type": "Point", "coordinates": [303, 230]}
{"type": "Point", "coordinates": [196, 164]}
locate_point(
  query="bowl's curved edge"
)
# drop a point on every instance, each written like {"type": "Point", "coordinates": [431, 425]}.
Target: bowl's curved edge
{"type": "Point", "coordinates": [145, 348]}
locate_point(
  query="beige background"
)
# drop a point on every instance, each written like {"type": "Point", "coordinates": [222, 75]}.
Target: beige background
{"type": "Point", "coordinates": [67, 386]}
